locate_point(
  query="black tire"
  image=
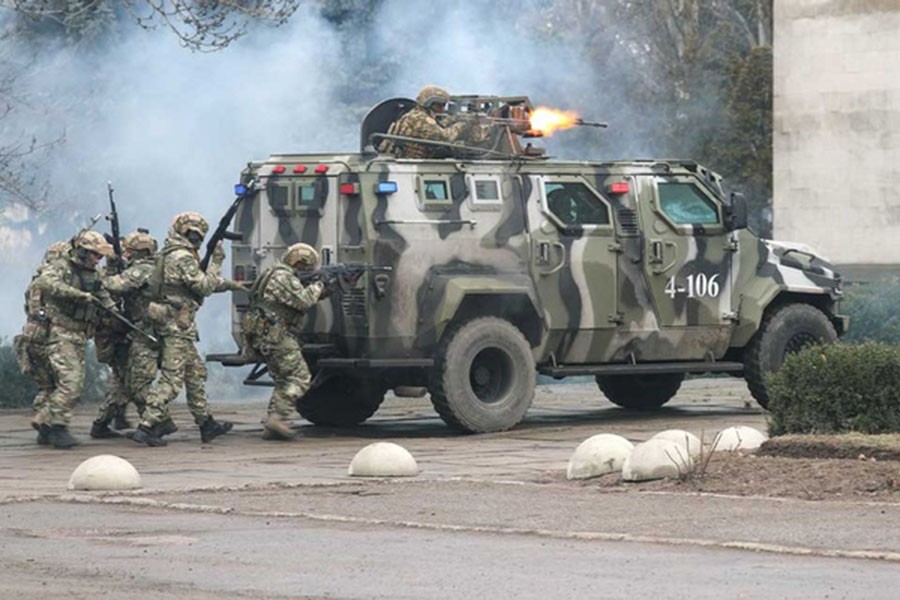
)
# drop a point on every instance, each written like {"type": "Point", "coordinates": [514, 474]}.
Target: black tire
{"type": "Point", "coordinates": [341, 401]}
{"type": "Point", "coordinates": [484, 376]}
{"type": "Point", "coordinates": [786, 329]}
{"type": "Point", "coordinates": [640, 392]}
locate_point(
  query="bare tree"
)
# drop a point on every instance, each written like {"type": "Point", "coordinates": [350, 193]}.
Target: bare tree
{"type": "Point", "coordinates": [202, 25]}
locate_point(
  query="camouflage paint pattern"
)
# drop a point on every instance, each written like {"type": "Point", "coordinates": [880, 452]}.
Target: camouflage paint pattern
{"type": "Point", "coordinates": [642, 286]}
{"type": "Point", "coordinates": [180, 368]}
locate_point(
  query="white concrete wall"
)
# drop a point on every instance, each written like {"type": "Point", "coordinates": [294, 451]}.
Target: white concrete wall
{"type": "Point", "coordinates": [837, 128]}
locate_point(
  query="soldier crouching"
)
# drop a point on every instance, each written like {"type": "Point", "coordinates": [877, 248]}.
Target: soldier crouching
{"type": "Point", "coordinates": [182, 288]}
{"type": "Point", "coordinates": [70, 288]}
{"type": "Point", "coordinates": [278, 302]}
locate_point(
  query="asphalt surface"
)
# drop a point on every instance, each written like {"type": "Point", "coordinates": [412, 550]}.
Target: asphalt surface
{"type": "Point", "coordinates": [489, 516]}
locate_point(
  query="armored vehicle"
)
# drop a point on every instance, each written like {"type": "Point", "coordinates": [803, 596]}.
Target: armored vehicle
{"type": "Point", "coordinates": [504, 264]}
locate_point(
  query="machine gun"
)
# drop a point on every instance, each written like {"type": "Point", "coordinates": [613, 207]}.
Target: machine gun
{"type": "Point", "coordinates": [340, 277]}
{"type": "Point", "coordinates": [243, 191]}
{"type": "Point", "coordinates": [114, 235]}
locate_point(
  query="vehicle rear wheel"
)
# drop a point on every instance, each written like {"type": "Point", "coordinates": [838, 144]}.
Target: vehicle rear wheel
{"type": "Point", "coordinates": [484, 376]}
{"type": "Point", "coordinates": [786, 329]}
{"type": "Point", "coordinates": [640, 392]}
{"type": "Point", "coordinates": [341, 401]}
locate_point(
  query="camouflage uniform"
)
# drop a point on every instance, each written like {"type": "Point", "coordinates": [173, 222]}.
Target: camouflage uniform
{"type": "Point", "coordinates": [134, 357]}
{"type": "Point", "coordinates": [420, 122]}
{"type": "Point", "coordinates": [183, 287]}
{"type": "Point", "coordinates": [278, 302]}
{"type": "Point", "coordinates": [69, 288]}
{"type": "Point", "coordinates": [31, 345]}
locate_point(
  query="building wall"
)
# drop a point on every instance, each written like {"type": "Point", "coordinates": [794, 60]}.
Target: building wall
{"type": "Point", "coordinates": [837, 129]}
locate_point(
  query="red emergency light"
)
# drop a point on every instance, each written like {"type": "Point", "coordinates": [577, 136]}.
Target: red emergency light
{"type": "Point", "coordinates": [279, 169]}
{"type": "Point", "coordinates": [300, 169]}
{"type": "Point", "coordinates": [322, 169]}
{"type": "Point", "coordinates": [349, 189]}
{"type": "Point", "coordinates": [618, 187]}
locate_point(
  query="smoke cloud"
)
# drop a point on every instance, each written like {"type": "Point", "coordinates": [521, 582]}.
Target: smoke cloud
{"type": "Point", "coordinates": [172, 129]}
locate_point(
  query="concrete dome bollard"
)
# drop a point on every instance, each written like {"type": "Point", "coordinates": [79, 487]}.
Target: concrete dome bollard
{"type": "Point", "coordinates": [688, 440]}
{"type": "Point", "coordinates": [383, 459]}
{"type": "Point", "coordinates": [598, 455]}
{"type": "Point", "coordinates": [739, 437]}
{"type": "Point", "coordinates": [105, 472]}
{"type": "Point", "coordinates": [657, 459]}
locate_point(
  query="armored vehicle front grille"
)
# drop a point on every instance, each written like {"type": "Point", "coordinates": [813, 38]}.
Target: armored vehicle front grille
{"type": "Point", "coordinates": [627, 221]}
{"type": "Point", "coordinates": [354, 303]}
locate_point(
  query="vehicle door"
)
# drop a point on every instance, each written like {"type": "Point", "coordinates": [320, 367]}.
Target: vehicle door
{"type": "Point", "coordinates": [302, 207]}
{"type": "Point", "coordinates": [573, 265]}
{"type": "Point", "coordinates": [688, 259]}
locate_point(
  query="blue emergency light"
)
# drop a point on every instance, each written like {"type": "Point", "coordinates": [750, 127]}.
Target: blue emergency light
{"type": "Point", "coordinates": [240, 189]}
{"type": "Point", "coordinates": [386, 187]}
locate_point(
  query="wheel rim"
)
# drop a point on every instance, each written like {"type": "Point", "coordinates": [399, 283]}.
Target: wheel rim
{"type": "Point", "coordinates": [798, 342]}
{"type": "Point", "coordinates": [490, 375]}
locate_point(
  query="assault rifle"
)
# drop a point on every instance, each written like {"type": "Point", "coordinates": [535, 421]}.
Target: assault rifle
{"type": "Point", "coordinates": [242, 191]}
{"type": "Point", "coordinates": [114, 236]}
{"type": "Point", "coordinates": [339, 277]}
{"type": "Point", "coordinates": [123, 319]}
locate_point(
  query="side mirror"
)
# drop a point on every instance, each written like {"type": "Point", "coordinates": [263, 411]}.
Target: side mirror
{"type": "Point", "coordinates": [736, 212]}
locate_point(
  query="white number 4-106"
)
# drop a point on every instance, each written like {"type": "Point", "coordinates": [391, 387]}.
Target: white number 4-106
{"type": "Point", "coordinates": [698, 286]}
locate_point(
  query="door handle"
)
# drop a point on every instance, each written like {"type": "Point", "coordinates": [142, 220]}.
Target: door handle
{"type": "Point", "coordinates": [544, 256]}
{"type": "Point", "coordinates": [326, 256]}
{"type": "Point", "coordinates": [658, 255]}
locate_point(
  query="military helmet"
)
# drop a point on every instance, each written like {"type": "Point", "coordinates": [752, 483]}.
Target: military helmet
{"type": "Point", "coordinates": [432, 94]}
{"type": "Point", "coordinates": [300, 255]}
{"type": "Point", "coordinates": [140, 240]}
{"type": "Point", "coordinates": [56, 250]}
{"type": "Point", "coordinates": [189, 221]}
{"type": "Point", "coordinates": [93, 242]}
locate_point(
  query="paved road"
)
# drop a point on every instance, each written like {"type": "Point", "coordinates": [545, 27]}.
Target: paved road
{"type": "Point", "coordinates": [490, 515]}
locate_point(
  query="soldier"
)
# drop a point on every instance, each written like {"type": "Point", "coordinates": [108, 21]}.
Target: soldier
{"type": "Point", "coordinates": [422, 122]}
{"type": "Point", "coordinates": [181, 288]}
{"type": "Point", "coordinates": [31, 345]}
{"type": "Point", "coordinates": [134, 358]}
{"type": "Point", "coordinates": [278, 302]}
{"type": "Point", "coordinates": [70, 290]}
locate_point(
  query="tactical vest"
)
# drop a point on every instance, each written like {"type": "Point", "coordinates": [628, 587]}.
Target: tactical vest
{"type": "Point", "coordinates": [157, 290]}
{"type": "Point", "coordinates": [271, 309]}
{"type": "Point", "coordinates": [72, 314]}
{"type": "Point", "coordinates": [137, 301]}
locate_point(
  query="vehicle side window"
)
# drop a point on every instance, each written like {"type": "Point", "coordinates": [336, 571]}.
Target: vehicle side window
{"type": "Point", "coordinates": [306, 194]}
{"type": "Point", "coordinates": [574, 203]}
{"type": "Point", "coordinates": [684, 204]}
{"type": "Point", "coordinates": [436, 190]}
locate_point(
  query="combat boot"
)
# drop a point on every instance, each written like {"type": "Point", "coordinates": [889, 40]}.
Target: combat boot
{"type": "Point", "coordinates": [147, 435]}
{"type": "Point", "coordinates": [276, 429]}
{"type": "Point", "coordinates": [167, 427]}
{"type": "Point", "coordinates": [43, 433]}
{"type": "Point", "coordinates": [100, 430]}
{"type": "Point", "coordinates": [210, 429]}
{"type": "Point", "coordinates": [59, 437]}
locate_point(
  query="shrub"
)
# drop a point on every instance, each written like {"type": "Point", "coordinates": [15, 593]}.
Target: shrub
{"type": "Point", "coordinates": [17, 390]}
{"type": "Point", "coordinates": [837, 388]}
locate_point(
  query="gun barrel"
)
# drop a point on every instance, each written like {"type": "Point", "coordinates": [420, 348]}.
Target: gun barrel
{"type": "Point", "coordinates": [583, 123]}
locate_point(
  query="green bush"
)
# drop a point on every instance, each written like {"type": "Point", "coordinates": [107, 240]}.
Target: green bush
{"type": "Point", "coordinates": [837, 388]}
{"type": "Point", "coordinates": [17, 390]}
{"type": "Point", "coordinates": [873, 310]}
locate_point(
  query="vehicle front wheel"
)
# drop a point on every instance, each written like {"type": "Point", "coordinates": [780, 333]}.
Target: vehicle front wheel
{"type": "Point", "coordinates": [484, 376]}
{"type": "Point", "coordinates": [640, 392]}
{"type": "Point", "coordinates": [786, 329]}
{"type": "Point", "coordinates": [341, 401]}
